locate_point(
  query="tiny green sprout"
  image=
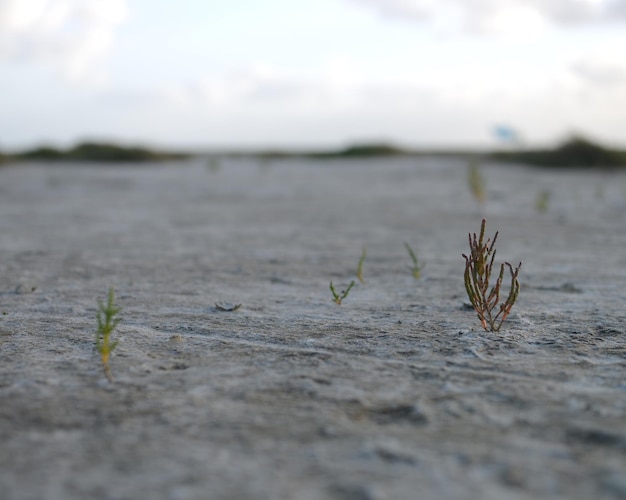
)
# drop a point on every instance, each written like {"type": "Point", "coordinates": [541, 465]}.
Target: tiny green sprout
{"type": "Point", "coordinates": [476, 182]}
{"type": "Point", "coordinates": [107, 321]}
{"type": "Point", "coordinates": [416, 268]}
{"type": "Point", "coordinates": [338, 298]}
{"type": "Point", "coordinates": [542, 200]}
{"type": "Point", "coordinates": [478, 268]}
{"type": "Point", "coordinates": [213, 164]}
{"type": "Point", "coordinates": [599, 194]}
{"type": "Point", "coordinates": [359, 269]}
{"type": "Point", "coordinates": [265, 163]}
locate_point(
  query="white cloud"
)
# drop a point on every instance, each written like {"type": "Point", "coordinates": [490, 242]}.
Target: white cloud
{"type": "Point", "coordinates": [269, 105]}
{"type": "Point", "coordinates": [602, 71]}
{"type": "Point", "coordinates": [71, 35]}
{"type": "Point", "coordinates": [503, 17]}
{"type": "Point", "coordinates": [263, 85]}
{"type": "Point", "coordinates": [603, 66]}
{"type": "Point", "coordinates": [265, 106]}
{"type": "Point", "coordinates": [416, 9]}
{"type": "Point", "coordinates": [597, 84]}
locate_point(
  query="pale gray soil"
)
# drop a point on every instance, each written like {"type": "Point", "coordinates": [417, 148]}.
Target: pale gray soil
{"type": "Point", "coordinates": [396, 394]}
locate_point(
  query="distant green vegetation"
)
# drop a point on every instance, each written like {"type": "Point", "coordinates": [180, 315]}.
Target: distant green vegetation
{"type": "Point", "coordinates": [354, 151]}
{"type": "Point", "coordinates": [43, 153]}
{"type": "Point", "coordinates": [576, 152]}
{"type": "Point", "coordinates": [96, 152]}
{"type": "Point", "coordinates": [364, 150]}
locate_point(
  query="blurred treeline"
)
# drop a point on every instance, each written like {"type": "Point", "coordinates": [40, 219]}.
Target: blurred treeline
{"type": "Point", "coordinates": [576, 152]}
{"type": "Point", "coordinates": [92, 151]}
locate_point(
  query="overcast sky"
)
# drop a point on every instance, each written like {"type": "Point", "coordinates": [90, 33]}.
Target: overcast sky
{"type": "Point", "coordinates": [282, 73]}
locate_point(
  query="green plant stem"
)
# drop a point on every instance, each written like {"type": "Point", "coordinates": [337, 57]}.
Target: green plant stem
{"type": "Point", "coordinates": [359, 269]}
{"type": "Point", "coordinates": [416, 268]}
{"type": "Point", "coordinates": [107, 322]}
{"type": "Point", "coordinates": [476, 182]}
{"type": "Point", "coordinates": [338, 298]}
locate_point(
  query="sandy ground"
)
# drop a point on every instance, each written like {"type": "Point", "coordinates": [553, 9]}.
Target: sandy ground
{"type": "Point", "coordinates": [396, 394]}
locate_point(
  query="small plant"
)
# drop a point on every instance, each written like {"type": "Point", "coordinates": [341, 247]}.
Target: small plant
{"type": "Point", "coordinates": [359, 269]}
{"type": "Point", "coordinates": [542, 201]}
{"type": "Point", "coordinates": [416, 268]}
{"type": "Point", "coordinates": [476, 182]}
{"type": "Point", "coordinates": [213, 164]}
{"type": "Point", "coordinates": [107, 321]}
{"type": "Point", "coordinates": [338, 298]}
{"type": "Point", "coordinates": [599, 194]}
{"type": "Point", "coordinates": [265, 163]}
{"type": "Point", "coordinates": [227, 306]}
{"type": "Point", "coordinates": [478, 268]}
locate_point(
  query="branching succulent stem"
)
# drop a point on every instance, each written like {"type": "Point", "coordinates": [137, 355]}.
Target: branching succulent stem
{"type": "Point", "coordinates": [478, 269]}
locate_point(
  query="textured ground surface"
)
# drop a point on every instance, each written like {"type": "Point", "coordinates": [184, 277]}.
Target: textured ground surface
{"type": "Point", "coordinates": [395, 394]}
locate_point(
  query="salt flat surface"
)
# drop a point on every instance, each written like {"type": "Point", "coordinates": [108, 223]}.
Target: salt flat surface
{"type": "Point", "coordinates": [396, 394]}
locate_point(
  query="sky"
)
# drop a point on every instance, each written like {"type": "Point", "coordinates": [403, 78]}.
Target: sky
{"type": "Point", "coordinates": [311, 73]}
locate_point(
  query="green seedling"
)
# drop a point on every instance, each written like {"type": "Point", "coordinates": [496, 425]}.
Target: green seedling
{"type": "Point", "coordinates": [478, 268]}
{"type": "Point", "coordinates": [213, 164]}
{"type": "Point", "coordinates": [542, 200]}
{"type": "Point", "coordinates": [265, 163]}
{"type": "Point", "coordinates": [107, 321]}
{"type": "Point", "coordinates": [416, 268]}
{"type": "Point", "coordinates": [338, 298]}
{"type": "Point", "coordinates": [599, 194]}
{"type": "Point", "coordinates": [359, 269]}
{"type": "Point", "coordinates": [476, 182]}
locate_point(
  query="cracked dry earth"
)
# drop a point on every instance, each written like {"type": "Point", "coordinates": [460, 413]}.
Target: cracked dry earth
{"type": "Point", "coordinates": [396, 394]}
